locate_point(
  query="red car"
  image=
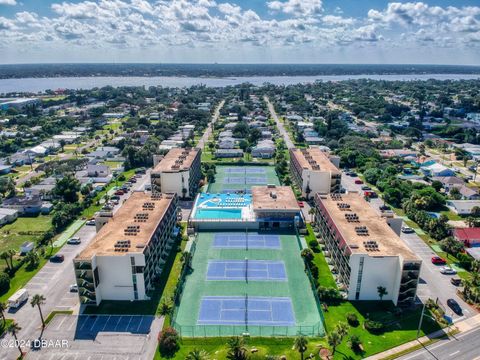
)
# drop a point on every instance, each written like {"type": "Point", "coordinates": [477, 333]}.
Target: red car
{"type": "Point", "coordinates": [301, 204]}
{"type": "Point", "coordinates": [437, 260]}
{"type": "Point", "coordinates": [119, 192]}
{"type": "Point", "coordinates": [358, 182]}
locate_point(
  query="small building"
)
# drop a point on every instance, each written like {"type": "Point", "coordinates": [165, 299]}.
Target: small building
{"type": "Point", "coordinates": [463, 207]}
{"type": "Point", "coordinates": [470, 237]}
{"type": "Point", "coordinates": [265, 149]}
{"type": "Point", "coordinates": [5, 169]}
{"type": "Point", "coordinates": [98, 171]}
{"type": "Point", "coordinates": [19, 103]}
{"type": "Point", "coordinates": [25, 205]}
{"type": "Point", "coordinates": [7, 216]}
{"type": "Point", "coordinates": [229, 153]}
{"type": "Point", "coordinates": [437, 169]}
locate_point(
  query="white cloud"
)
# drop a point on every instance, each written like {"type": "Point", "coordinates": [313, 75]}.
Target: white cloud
{"type": "Point", "coordinates": [337, 20]}
{"type": "Point", "coordinates": [8, 2]}
{"type": "Point", "coordinates": [296, 7]}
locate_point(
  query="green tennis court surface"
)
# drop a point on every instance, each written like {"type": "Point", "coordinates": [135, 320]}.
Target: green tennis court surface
{"type": "Point", "coordinates": [232, 179]}
{"type": "Point", "coordinates": [246, 304]}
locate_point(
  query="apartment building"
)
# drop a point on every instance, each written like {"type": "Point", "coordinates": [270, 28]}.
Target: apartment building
{"type": "Point", "coordinates": [128, 251]}
{"type": "Point", "coordinates": [365, 251]}
{"type": "Point", "coordinates": [313, 171]}
{"type": "Point", "coordinates": [178, 172]}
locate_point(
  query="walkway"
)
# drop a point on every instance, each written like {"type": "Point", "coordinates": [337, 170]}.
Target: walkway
{"type": "Point", "coordinates": [280, 126]}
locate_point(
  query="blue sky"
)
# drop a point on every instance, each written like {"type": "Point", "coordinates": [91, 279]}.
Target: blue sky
{"type": "Point", "coordinates": [248, 31]}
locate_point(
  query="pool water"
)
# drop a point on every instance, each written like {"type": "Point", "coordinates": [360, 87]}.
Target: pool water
{"type": "Point", "coordinates": [218, 213]}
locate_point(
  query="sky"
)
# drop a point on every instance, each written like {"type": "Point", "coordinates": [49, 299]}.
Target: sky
{"type": "Point", "coordinates": [240, 31]}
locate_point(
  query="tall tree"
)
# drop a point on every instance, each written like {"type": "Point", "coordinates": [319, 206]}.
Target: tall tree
{"type": "Point", "coordinates": [236, 349]}
{"type": "Point", "coordinates": [196, 354]}
{"type": "Point", "coordinates": [382, 291]}
{"type": "Point", "coordinates": [300, 344]}
{"type": "Point", "coordinates": [334, 339]}
{"type": "Point", "coordinates": [13, 329]}
{"type": "Point", "coordinates": [37, 301]}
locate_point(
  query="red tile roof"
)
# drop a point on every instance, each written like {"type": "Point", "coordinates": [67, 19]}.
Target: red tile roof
{"type": "Point", "coordinates": [467, 234]}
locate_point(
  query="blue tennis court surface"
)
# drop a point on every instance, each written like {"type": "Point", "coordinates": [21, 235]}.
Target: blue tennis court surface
{"type": "Point", "coordinates": [239, 310]}
{"type": "Point", "coordinates": [256, 180]}
{"type": "Point", "coordinates": [89, 326]}
{"type": "Point", "coordinates": [251, 270]}
{"type": "Point", "coordinates": [241, 240]}
{"type": "Point", "coordinates": [242, 170]}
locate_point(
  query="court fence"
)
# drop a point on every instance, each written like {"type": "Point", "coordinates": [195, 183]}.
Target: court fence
{"type": "Point", "coordinates": [198, 331]}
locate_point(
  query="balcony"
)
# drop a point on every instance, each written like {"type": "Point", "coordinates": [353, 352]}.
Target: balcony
{"type": "Point", "coordinates": [83, 265]}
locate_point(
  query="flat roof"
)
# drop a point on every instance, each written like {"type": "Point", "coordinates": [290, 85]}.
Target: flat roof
{"type": "Point", "coordinates": [315, 155]}
{"type": "Point", "coordinates": [274, 198]}
{"type": "Point", "coordinates": [183, 158]}
{"type": "Point", "coordinates": [114, 229]}
{"type": "Point", "coordinates": [389, 243]}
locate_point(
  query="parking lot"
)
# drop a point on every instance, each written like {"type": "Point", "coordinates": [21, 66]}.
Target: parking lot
{"type": "Point", "coordinates": [100, 337]}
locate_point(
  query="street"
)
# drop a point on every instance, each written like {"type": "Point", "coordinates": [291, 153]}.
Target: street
{"type": "Point", "coordinates": [208, 131]}
{"type": "Point", "coordinates": [288, 142]}
{"type": "Point", "coordinates": [459, 347]}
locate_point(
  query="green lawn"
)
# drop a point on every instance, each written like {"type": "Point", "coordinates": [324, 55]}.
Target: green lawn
{"type": "Point", "coordinates": [325, 277]}
{"type": "Point", "coordinates": [23, 229]}
{"type": "Point", "coordinates": [3, 326]}
{"type": "Point", "coordinates": [23, 275]}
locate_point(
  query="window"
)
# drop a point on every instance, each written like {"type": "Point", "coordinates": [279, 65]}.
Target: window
{"type": "Point", "coordinates": [359, 278]}
{"type": "Point", "coordinates": [96, 277]}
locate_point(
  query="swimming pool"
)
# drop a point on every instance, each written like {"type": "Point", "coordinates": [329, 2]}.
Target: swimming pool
{"type": "Point", "coordinates": [206, 200]}
{"type": "Point", "coordinates": [218, 213]}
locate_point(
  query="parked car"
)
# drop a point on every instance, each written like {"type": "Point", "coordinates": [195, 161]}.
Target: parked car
{"type": "Point", "coordinates": [437, 260]}
{"type": "Point", "coordinates": [365, 187]}
{"type": "Point", "coordinates": [384, 207]}
{"type": "Point", "coordinates": [301, 204]}
{"type": "Point", "coordinates": [115, 197]}
{"type": "Point", "coordinates": [456, 281]}
{"type": "Point", "coordinates": [447, 270]}
{"type": "Point", "coordinates": [407, 230]}
{"type": "Point", "coordinates": [57, 258]}
{"type": "Point", "coordinates": [453, 304]}
{"type": "Point", "coordinates": [90, 222]}
{"type": "Point", "coordinates": [358, 182]}
{"type": "Point", "coordinates": [119, 192]}
{"type": "Point", "coordinates": [74, 288]}
{"type": "Point", "coordinates": [74, 241]}
{"type": "Point", "coordinates": [133, 180]}
{"type": "Point", "coordinates": [352, 174]}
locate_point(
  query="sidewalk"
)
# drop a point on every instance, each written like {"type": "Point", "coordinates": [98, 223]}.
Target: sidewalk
{"type": "Point", "coordinates": [461, 326]}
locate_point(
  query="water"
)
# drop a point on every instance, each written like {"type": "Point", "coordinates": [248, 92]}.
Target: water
{"type": "Point", "coordinates": [42, 84]}
{"type": "Point", "coordinates": [218, 214]}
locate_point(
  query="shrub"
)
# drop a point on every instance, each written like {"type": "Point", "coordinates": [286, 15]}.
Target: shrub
{"type": "Point", "coordinates": [121, 177]}
{"type": "Point", "coordinates": [307, 255]}
{"type": "Point", "coordinates": [328, 294]}
{"type": "Point", "coordinates": [352, 319]}
{"type": "Point", "coordinates": [354, 343]}
{"type": "Point", "coordinates": [313, 270]}
{"type": "Point", "coordinates": [374, 327]}
{"type": "Point", "coordinates": [168, 341]}
{"type": "Point", "coordinates": [4, 283]}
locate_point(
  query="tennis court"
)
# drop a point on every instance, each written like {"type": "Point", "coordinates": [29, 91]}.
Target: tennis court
{"type": "Point", "coordinates": [225, 272]}
{"type": "Point", "coordinates": [246, 270]}
{"type": "Point", "coordinates": [246, 311]}
{"type": "Point", "coordinates": [233, 179]}
{"type": "Point", "coordinates": [243, 240]}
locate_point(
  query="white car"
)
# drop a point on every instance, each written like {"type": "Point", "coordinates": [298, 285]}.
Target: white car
{"type": "Point", "coordinates": [447, 270]}
{"type": "Point", "coordinates": [407, 230]}
{"type": "Point", "coordinates": [74, 241]}
{"type": "Point", "coordinates": [74, 288]}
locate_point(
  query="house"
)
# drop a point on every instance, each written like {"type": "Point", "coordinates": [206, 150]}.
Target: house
{"type": "Point", "coordinates": [225, 134]}
{"type": "Point", "coordinates": [7, 216]}
{"type": "Point", "coordinates": [226, 143]}
{"type": "Point", "coordinates": [266, 134]}
{"type": "Point", "coordinates": [462, 207]}
{"type": "Point", "coordinates": [20, 103]}
{"type": "Point", "coordinates": [265, 149]}
{"type": "Point", "coordinates": [27, 205]}
{"type": "Point", "coordinates": [313, 140]}
{"type": "Point", "coordinates": [35, 151]}
{"type": "Point", "coordinates": [229, 153]}
{"type": "Point", "coordinates": [437, 169]}
{"type": "Point", "coordinates": [230, 126]}
{"type": "Point", "coordinates": [468, 236]}
{"type": "Point", "coordinates": [449, 181]}
{"type": "Point", "coordinates": [468, 193]}
{"type": "Point", "coordinates": [98, 170]}
{"type": "Point", "coordinates": [104, 152]}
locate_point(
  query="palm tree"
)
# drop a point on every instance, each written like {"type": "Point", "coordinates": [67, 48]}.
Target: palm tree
{"type": "Point", "coordinates": [334, 339]}
{"type": "Point", "coordinates": [311, 212]}
{"type": "Point", "coordinates": [165, 307]}
{"type": "Point", "coordinates": [13, 329]}
{"type": "Point", "coordinates": [342, 329]}
{"type": "Point", "coordinates": [300, 344]}
{"type": "Point", "coordinates": [237, 349]}
{"type": "Point", "coordinates": [196, 354]}
{"type": "Point", "coordinates": [382, 291]}
{"type": "Point", "coordinates": [3, 308]}
{"type": "Point", "coordinates": [5, 256]}
{"type": "Point", "coordinates": [38, 300]}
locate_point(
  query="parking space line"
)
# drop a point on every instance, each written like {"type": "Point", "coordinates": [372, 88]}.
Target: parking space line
{"type": "Point", "coordinates": [61, 323]}
{"type": "Point", "coordinates": [91, 327]}
{"type": "Point", "coordinates": [118, 322]}
{"type": "Point", "coordinates": [106, 325]}
{"type": "Point", "coordinates": [141, 320]}
{"type": "Point", "coordinates": [85, 323]}
{"type": "Point", "coordinates": [70, 327]}
{"type": "Point", "coordinates": [129, 321]}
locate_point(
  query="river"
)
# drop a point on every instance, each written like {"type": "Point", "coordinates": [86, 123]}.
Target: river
{"type": "Point", "coordinates": [35, 85]}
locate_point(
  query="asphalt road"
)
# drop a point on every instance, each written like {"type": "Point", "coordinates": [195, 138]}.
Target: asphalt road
{"type": "Point", "coordinates": [460, 347]}
{"type": "Point", "coordinates": [279, 124]}
{"type": "Point", "coordinates": [433, 284]}
{"type": "Point", "coordinates": [204, 139]}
